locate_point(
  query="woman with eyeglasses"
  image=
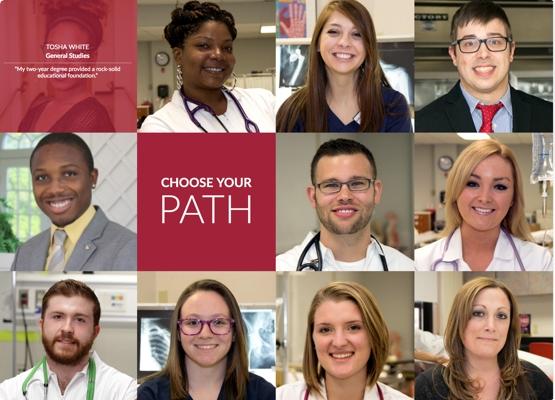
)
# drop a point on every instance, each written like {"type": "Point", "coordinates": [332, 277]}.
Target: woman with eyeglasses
{"type": "Point", "coordinates": [201, 36]}
{"type": "Point", "coordinates": [208, 351]}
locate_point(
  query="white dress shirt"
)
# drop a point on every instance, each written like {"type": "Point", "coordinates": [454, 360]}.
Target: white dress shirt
{"type": "Point", "coordinates": [110, 384]}
{"type": "Point", "coordinates": [438, 258]}
{"type": "Point", "coordinates": [396, 261]}
{"type": "Point", "coordinates": [257, 104]}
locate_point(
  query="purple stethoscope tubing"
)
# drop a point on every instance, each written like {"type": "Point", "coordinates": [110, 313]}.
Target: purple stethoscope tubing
{"type": "Point", "coordinates": [380, 394]}
{"type": "Point", "coordinates": [456, 262]}
{"type": "Point", "coordinates": [250, 125]}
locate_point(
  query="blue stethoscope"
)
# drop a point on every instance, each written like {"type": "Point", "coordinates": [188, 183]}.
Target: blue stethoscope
{"type": "Point", "coordinates": [316, 264]}
{"type": "Point", "coordinates": [91, 377]}
{"type": "Point", "coordinates": [250, 125]}
{"type": "Point", "coordinates": [455, 263]}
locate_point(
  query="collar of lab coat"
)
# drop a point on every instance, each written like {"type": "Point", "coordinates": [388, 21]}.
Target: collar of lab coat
{"type": "Point", "coordinates": [328, 258]}
{"type": "Point", "coordinates": [503, 249]}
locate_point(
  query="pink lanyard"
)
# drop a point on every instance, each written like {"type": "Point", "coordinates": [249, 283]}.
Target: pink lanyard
{"type": "Point", "coordinates": [380, 394]}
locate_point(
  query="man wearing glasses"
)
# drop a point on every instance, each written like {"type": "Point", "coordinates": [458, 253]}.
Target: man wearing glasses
{"type": "Point", "coordinates": [344, 192]}
{"type": "Point", "coordinates": [482, 48]}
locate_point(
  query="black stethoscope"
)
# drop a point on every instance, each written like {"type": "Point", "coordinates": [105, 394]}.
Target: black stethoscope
{"type": "Point", "coordinates": [91, 377]}
{"type": "Point", "coordinates": [250, 125]}
{"type": "Point", "coordinates": [380, 394]}
{"type": "Point", "coordinates": [316, 264]}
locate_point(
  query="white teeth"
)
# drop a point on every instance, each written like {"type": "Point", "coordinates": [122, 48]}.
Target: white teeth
{"type": "Point", "coordinates": [59, 204]}
{"type": "Point", "coordinates": [483, 69]}
{"type": "Point", "coordinates": [214, 69]}
{"type": "Point", "coordinates": [483, 211]}
{"type": "Point", "coordinates": [206, 346]}
{"type": "Point", "coordinates": [345, 211]}
{"type": "Point", "coordinates": [343, 55]}
{"type": "Point", "coordinates": [342, 355]}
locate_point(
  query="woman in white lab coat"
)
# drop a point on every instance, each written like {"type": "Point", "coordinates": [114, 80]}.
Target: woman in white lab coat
{"type": "Point", "coordinates": [346, 346]}
{"type": "Point", "coordinates": [484, 211]}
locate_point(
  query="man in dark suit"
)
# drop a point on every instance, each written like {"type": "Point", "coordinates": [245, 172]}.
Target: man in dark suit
{"type": "Point", "coordinates": [81, 238]}
{"type": "Point", "coordinates": [482, 49]}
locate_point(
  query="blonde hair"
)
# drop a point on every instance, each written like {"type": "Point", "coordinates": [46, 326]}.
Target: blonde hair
{"type": "Point", "coordinates": [514, 385]}
{"type": "Point", "coordinates": [372, 319]}
{"type": "Point", "coordinates": [515, 221]}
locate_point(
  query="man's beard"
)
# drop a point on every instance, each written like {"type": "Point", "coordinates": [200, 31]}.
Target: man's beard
{"type": "Point", "coordinates": [67, 357]}
{"type": "Point", "coordinates": [362, 221]}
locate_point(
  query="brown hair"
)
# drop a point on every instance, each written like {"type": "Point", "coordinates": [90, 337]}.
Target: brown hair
{"type": "Point", "coordinates": [482, 11]}
{"type": "Point", "coordinates": [514, 385]}
{"type": "Point", "coordinates": [71, 288]}
{"type": "Point", "coordinates": [308, 104]}
{"type": "Point", "coordinates": [378, 334]}
{"type": "Point", "coordinates": [237, 372]}
{"type": "Point", "coordinates": [515, 220]}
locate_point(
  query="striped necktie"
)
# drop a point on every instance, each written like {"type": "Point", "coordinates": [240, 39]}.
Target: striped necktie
{"type": "Point", "coordinates": [488, 112]}
{"type": "Point", "coordinates": [57, 262]}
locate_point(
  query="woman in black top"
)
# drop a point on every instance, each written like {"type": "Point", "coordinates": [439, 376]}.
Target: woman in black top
{"type": "Point", "coordinates": [482, 338]}
{"type": "Point", "coordinates": [208, 351]}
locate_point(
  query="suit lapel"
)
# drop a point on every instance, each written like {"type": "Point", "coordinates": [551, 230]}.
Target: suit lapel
{"type": "Point", "coordinates": [40, 252]}
{"type": "Point", "coordinates": [85, 247]}
{"type": "Point", "coordinates": [522, 113]}
{"type": "Point", "coordinates": [457, 111]}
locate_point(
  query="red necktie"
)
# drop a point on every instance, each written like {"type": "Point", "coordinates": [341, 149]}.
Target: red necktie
{"type": "Point", "coordinates": [488, 112]}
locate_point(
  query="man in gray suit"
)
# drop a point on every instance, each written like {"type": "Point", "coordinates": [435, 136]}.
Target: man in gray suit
{"type": "Point", "coordinates": [81, 238]}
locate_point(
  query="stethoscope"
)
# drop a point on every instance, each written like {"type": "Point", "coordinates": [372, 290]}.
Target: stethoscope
{"type": "Point", "coordinates": [250, 125]}
{"type": "Point", "coordinates": [91, 377]}
{"type": "Point", "coordinates": [455, 263]}
{"type": "Point", "coordinates": [316, 264]}
{"type": "Point", "coordinates": [380, 394]}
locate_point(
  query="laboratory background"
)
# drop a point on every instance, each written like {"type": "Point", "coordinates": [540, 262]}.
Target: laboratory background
{"type": "Point", "coordinates": [533, 291]}
{"type": "Point", "coordinates": [531, 69]}
{"type": "Point", "coordinates": [159, 291]}
{"type": "Point", "coordinates": [434, 154]}
{"type": "Point", "coordinates": [394, 294]}
{"type": "Point", "coordinates": [20, 338]}
{"type": "Point", "coordinates": [391, 220]}
{"type": "Point", "coordinates": [253, 50]}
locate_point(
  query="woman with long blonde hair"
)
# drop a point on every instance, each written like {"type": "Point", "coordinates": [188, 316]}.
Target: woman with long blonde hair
{"type": "Point", "coordinates": [486, 228]}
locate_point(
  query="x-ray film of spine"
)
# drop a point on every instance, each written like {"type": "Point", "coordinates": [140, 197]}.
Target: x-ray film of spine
{"type": "Point", "coordinates": [155, 343]}
{"type": "Point", "coordinates": [262, 337]}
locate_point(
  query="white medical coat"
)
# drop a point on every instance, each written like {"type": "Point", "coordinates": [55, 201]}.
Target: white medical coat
{"type": "Point", "coordinates": [258, 105]}
{"type": "Point", "coordinates": [396, 261]}
{"type": "Point", "coordinates": [110, 384]}
{"type": "Point", "coordinates": [534, 257]}
{"type": "Point", "coordinates": [296, 391]}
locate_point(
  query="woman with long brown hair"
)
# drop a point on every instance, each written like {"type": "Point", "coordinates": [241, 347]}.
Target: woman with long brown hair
{"type": "Point", "coordinates": [482, 339]}
{"type": "Point", "coordinates": [208, 351]}
{"type": "Point", "coordinates": [346, 89]}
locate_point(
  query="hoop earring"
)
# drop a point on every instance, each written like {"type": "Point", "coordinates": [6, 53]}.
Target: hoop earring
{"type": "Point", "coordinates": [179, 77]}
{"type": "Point", "coordinates": [234, 81]}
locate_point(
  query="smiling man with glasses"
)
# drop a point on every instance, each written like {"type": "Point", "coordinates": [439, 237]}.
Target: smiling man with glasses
{"type": "Point", "coordinates": [344, 192]}
{"type": "Point", "coordinates": [482, 48]}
